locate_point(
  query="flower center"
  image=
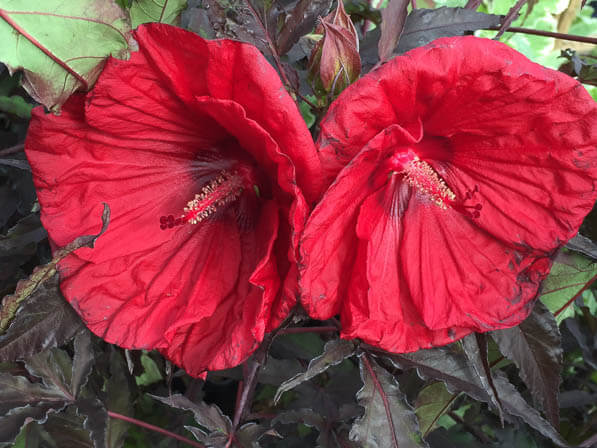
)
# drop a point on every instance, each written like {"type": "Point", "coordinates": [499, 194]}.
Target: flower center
{"type": "Point", "coordinates": [421, 176]}
{"type": "Point", "coordinates": [226, 188]}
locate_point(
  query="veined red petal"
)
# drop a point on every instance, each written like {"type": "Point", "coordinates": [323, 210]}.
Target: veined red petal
{"type": "Point", "coordinates": [452, 231]}
{"type": "Point", "coordinates": [179, 122]}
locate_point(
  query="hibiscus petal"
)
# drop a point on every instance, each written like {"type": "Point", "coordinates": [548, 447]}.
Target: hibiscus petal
{"type": "Point", "coordinates": [229, 70]}
{"type": "Point", "coordinates": [326, 251]}
{"type": "Point", "coordinates": [204, 294]}
{"type": "Point", "coordinates": [515, 144]}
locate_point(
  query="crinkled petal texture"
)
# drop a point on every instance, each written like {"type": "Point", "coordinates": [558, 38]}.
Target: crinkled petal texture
{"type": "Point", "coordinates": [458, 169]}
{"type": "Point", "coordinates": [153, 132]}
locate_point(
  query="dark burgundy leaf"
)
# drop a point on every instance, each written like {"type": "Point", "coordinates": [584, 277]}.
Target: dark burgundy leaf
{"type": "Point", "coordinates": [22, 401]}
{"type": "Point", "coordinates": [392, 24]}
{"type": "Point", "coordinates": [334, 352]}
{"type": "Point", "coordinates": [82, 361]}
{"type": "Point", "coordinates": [577, 399]}
{"type": "Point", "coordinates": [473, 4]}
{"type": "Point", "coordinates": [424, 25]}
{"type": "Point", "coordinates": [54, 368]}
{"type": "Point", "coordinates": [28, 231]}
{"type": "Point", "coordinates": [585, 339]}
{"type": "Point", "coordinates": [118, 399]}
{"type": "Point", "coordinates": [583, 245]}
{"type": "Point", "coordinates": [535, 347]}
{"type": "Point", "coordinates": [475, 349]}
{"type": "Point", "coordinates": [374, 429]}
{"type": "Point", "coordinates": [234, 19]}
{"type": "Point", "coordinates": [276, 371]}
{"type": "Point", "coordinates": [447, 365]}
{"type": "Point", "coordinates": [95, 420]}
{"type": "Point", "coordinates": [249, 434]}
{"type": "Point", "coordinates": [66, 430]}
{"type": "Point", "coordinates": [16, 163]}
{"type": "Point", "coordinates": [44, 321]}
{"type": "Point", "coordinates": [11, 424]}
{"type": "Point", "coordinates": [208, 416]}
{"type": "Point", "coordinates": [300, 21]}
{"type": "Point", "coordinates": [368, 50]}
{"type": "Point", "coordinates": [515, 405]}
{"type": "Point", "coordinates": [26, 287]}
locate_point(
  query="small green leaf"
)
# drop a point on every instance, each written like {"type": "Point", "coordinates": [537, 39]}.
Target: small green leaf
{"type": "Point", "coordinates": [61, 46]}
{"type": "Point", "coordinates": [151, 372]}
{"type": "Point", "coordinates": [15, 105]}
{"type": "Point", "coordinates": [162, 11]}
{"type": "Point", "coordinates": [432, 402]}
{"type": "Point", "coordinates": [307, 114]}
{"type": "Point", "coordinates": [569, 274]}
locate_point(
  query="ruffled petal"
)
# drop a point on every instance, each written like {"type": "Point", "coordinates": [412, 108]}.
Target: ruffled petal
{"type": "Point", "coordinates": [328, 246]}
{"type": "Point", "coordinates": [515, 144]}
{"type": "Point", "coordinates": [145, 140]}
{"type": "Point", "coordinates": [229, 70]}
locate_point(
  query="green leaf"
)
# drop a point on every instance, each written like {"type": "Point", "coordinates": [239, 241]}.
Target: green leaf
{"type": "Point", "coordinates": [307, 114]}
{"type": "Point", "coordinates": [15, 105]}
{"type": "Point", "coordinates": [432, 402]}
{"type": "Point", "coordinates": [151, 372]}
{"type": "Point", "coordinates": [569, 275]}
{"type": "Point", "coordinates": [373, 430]}
{"type": "Point", "coordinates": [61, 46]}
{"type": "Point", "coordinates": [162, 11]}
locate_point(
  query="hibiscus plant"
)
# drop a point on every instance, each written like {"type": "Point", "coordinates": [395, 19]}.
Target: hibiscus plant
{"type": "Point", "coordinates": [296, 223]}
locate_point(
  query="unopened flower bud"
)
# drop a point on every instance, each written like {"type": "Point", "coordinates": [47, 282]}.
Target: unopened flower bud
{"type": "Point", "coordinates": [335, 62]}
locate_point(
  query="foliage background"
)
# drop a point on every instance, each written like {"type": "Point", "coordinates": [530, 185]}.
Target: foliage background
{"type": "Point", "coordinates": [60, 386]}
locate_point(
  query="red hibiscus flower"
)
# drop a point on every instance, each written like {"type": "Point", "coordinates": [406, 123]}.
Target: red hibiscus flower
{"type": "Point", "coordinates": [459, 169]}
{"type": "Point", "coordinates": [194, 145]}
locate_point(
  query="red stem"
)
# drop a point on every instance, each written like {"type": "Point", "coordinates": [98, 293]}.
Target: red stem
{"type": "Point", "coordinates": [296, 330]}
{"type": "Point", "coordinates": [4, 14]}
{"type": "Point", "coordinates": [567, 304]}
{"type": "Point", "coordinates": [573, 37]}
{"type": "Point", "coordinates": [163, 11]}
{"type": "Point", "coordinates": [156, 429]}
{"type": "Point", "coordinates": [384, 398]}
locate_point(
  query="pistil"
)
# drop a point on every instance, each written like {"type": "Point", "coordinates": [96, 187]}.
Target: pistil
{"type": "Point", "coordinates": [221, 191]}
{"type": "Point", "coordinates": [421, 176]}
